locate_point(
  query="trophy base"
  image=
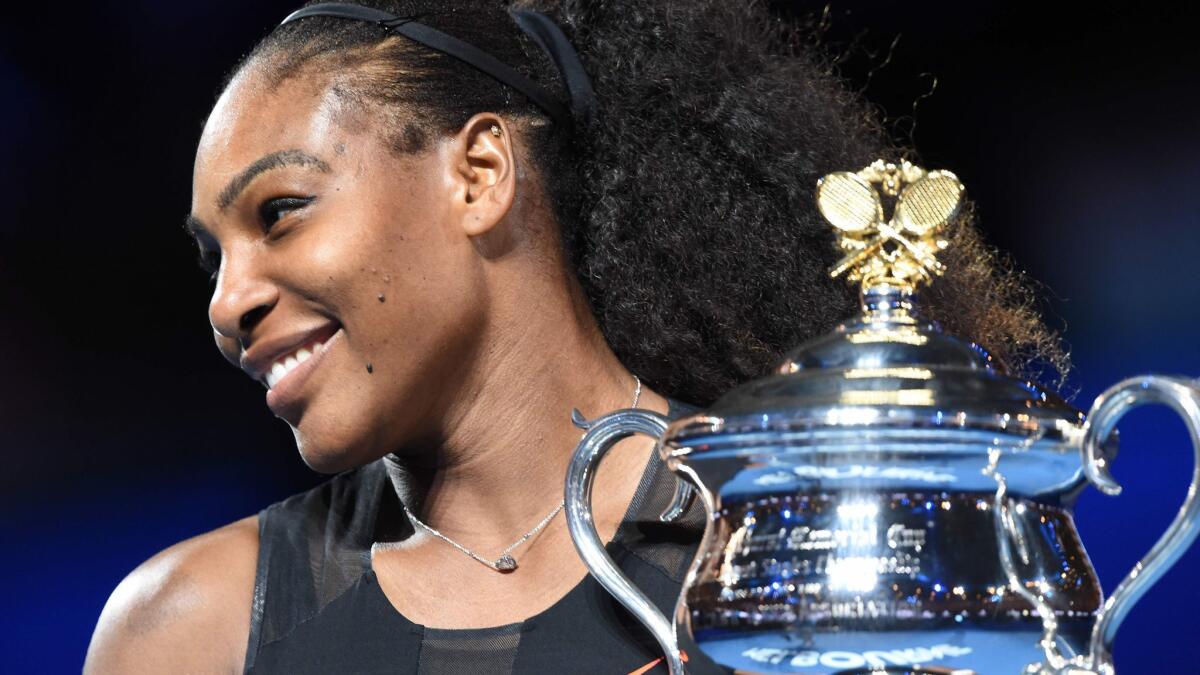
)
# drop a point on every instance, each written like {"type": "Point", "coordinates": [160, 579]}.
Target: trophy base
{"type": "Point", "coordinates": [960, 652]}
{"type": "Point", "coordinates": [858, 582]}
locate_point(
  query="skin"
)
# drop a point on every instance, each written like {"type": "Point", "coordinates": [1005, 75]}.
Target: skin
{"type": "Point", "coordinates": [482, 346]}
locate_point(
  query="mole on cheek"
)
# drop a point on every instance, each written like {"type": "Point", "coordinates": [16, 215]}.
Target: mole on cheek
{"type": "Point", "coordinates": [381, 298]}
{"type": "Point", "coordinates": [370, 368]}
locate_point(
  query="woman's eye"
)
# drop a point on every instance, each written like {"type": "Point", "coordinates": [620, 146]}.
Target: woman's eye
{"type": "Point", "coordinates": [209, 260]}
{"type": "Point", "coordinates": [274, 209]}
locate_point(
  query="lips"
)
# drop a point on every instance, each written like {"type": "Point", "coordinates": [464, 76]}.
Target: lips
{"type": "Point", "coordinates": [282, 363]}
{"type": "Point", "coordinates": [288, 389]}
{"type": "Point", "coordinates": [288, 363]}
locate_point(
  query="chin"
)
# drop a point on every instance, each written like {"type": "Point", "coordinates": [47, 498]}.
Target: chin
{"type": "Point", "coordinates": [339, 432]}
{"type": "Point", "coordinates": [331, 453]}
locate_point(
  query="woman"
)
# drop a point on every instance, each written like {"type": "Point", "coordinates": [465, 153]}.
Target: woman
{"type": "Point", "coordinates": [429, 263]}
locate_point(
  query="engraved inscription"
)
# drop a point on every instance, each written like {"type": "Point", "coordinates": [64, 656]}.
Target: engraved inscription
{"type": "Point", "coordinates": [899, 536]}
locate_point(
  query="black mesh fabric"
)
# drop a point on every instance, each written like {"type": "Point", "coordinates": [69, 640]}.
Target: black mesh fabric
{"type": "Point", "coordinates": [318, 606]}
{"type": "Point", "coordinates": [312, 547]}
{"type": "Point", "coordinates": [669, 547]}
{"type": "Point", "coordinates": [487, 651]}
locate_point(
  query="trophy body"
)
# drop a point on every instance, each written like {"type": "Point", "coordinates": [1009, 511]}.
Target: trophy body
{"type": "Point", "coordinates": [831, 582]}
{"type": "Point", "coordinates": [887, 499]}
{"type": "Point", "coordinates": [890, 499]}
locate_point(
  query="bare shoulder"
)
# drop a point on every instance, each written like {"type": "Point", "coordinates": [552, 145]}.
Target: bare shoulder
{"type": "Point", "coordinates": [185, 609]}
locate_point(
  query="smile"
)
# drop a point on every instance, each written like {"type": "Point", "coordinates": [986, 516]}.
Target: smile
{"type": "Point", "coordinates": [283, 362]}
{"type": "Point", "coordinates": [289, 373]}
{"type": "Point", "coordinates": [288, 362]}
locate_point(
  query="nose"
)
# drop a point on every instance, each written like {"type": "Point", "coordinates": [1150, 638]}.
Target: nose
{"type": "Point", "coordinates": [242, 297]}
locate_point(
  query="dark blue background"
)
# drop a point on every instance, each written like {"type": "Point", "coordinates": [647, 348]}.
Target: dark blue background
{"type": "Point", "coordinates": [122, 431]}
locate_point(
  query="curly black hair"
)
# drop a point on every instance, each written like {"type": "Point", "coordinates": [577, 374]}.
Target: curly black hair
{"type": "Point", "coordinates": [687, 207]}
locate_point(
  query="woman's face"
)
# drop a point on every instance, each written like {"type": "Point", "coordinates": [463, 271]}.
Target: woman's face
{"type": "Point", "coordinates": [346, 281]}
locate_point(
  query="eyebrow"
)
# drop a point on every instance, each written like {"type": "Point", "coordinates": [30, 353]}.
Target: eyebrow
{"type": "Point", "coordinates": [275, 160]}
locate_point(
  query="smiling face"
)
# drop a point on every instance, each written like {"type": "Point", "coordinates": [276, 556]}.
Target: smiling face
{"type": "Point", "coordinates": [342, 255]}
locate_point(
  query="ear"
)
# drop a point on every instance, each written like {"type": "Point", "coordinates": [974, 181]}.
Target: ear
{"type": "Point", "coordinates": [486, 169]}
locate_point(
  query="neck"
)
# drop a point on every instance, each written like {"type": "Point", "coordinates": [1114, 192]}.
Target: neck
{"type": "Point", "coordinates": [502, 454]}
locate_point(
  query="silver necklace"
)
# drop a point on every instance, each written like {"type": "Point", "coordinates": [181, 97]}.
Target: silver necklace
{"type": "Point", "coordinates": [506, 562]}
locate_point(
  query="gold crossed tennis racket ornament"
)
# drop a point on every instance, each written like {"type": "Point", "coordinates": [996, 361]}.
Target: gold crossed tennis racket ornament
{"type": "Point", "coordinates": [899, 250]}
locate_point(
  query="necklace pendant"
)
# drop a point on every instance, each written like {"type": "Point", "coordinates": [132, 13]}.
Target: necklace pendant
{"type": "Point", "coordinates": [505, 563]}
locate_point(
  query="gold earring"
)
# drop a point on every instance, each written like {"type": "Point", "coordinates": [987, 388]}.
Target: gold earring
{"type": "Point", "coordinates": [495, 131]}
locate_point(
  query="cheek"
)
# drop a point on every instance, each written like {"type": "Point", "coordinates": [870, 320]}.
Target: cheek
{"type": "Point", "coordinates": [397, 360]}
{"type": "Point", "coordinates": [412, 311]}
{"type": "Point", "coordinates": [413, 308]}
{"type": "Point", "coordinates": [400, 280]}
{"type": "Point", "coordinates": [380, 280]}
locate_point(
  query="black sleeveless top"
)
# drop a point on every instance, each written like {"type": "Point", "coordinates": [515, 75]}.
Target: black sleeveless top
{"type": "Point", "coordinates": [318, 607]}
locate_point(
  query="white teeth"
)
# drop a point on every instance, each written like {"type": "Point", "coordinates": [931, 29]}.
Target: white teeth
{"type": "Point", "coordinates": [275, 374]}
{"type": "Point", "coordinates": [285, 365]}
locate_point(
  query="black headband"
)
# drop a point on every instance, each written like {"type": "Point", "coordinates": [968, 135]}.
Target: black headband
{"type": "Point", "coordinates": [540, 28]}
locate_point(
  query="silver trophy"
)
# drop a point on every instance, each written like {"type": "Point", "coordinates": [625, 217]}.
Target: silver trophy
{"type": "Point", "coordinates": [889, 500]}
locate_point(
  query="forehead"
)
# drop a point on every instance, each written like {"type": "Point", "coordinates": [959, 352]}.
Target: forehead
{"type": "Point", "coordinates": [251, 120]}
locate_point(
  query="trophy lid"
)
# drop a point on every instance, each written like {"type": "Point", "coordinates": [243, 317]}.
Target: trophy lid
{"type": "Point", "coordinates": [888, 382]}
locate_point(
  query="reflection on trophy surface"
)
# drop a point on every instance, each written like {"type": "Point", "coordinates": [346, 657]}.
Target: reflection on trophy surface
{"type": "Point", "coordinates": [890, 500]}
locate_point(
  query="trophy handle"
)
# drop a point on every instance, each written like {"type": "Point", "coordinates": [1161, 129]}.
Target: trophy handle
{"type": "Point", "coordinates": [1183, 396]}
{"type": "Point", "coordinates": [602, 434]}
